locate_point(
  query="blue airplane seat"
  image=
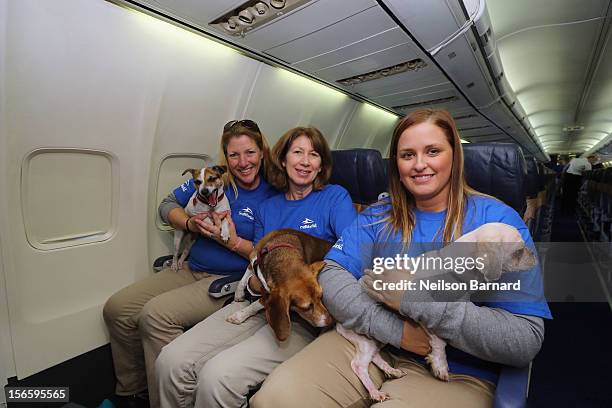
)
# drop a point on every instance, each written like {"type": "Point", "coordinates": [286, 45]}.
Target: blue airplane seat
{"type": "Point", "coordinates": [362, 172]}
{"type": "Point", "coordinates": [532, 179]}
{"type": "Point", "coordinates": [497, 169]}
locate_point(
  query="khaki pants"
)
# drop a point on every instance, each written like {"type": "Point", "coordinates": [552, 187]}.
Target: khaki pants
{"type": "Point", "coordinates": [321, 376]}
{"type": "Point", "coordinates": [217, 363]}
{"type": "Point", "coordinates": [147, 315]}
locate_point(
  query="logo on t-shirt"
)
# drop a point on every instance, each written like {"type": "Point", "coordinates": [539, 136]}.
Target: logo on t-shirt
{"type": "Point", "coordinates": [247, 212]}
{"type": "Point", "coordinates": [339, 243]}
{"type": "Point", "coordinates": [308, 223]}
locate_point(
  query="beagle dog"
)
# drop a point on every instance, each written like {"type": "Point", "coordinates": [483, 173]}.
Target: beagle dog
{"type": "Point", "coordinates": [287, 263]}
{"type": "Point", "coordinates": [208, 197]}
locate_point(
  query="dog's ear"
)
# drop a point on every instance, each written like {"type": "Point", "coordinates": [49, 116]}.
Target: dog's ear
{"type": "Point", "coordinates": [493, 256]}
{"type": "Point", "coordinates": [192, 171]}
{"type": "Point", "coordinates": [277, 314]}
{"type": "Point", "coordinates": [220, 169]}
{"type": "Point", "coordinates": [521, 259]}
{"type": "Point", "coordinates": [316, 267]}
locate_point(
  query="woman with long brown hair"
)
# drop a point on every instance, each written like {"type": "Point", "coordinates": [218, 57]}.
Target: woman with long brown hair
{"type": "Point", "coordinates": [429, 202]}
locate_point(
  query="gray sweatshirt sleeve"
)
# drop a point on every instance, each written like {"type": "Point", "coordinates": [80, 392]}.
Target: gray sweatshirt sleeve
{"type": "Point", "coordinates": [349, 304]}
{"type": "Point", "coordinates": [487, 333]}
{"type": "Point", "coordinates": [168, 204]}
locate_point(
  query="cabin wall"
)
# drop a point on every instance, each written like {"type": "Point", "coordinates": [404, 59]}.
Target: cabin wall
{"type": "Point", "coordinates": [102, 108]}
{"type": "Point", "coordinates": [7, 363]}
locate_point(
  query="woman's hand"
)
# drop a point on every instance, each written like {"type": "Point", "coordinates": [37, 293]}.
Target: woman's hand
{"type": "Point", "coordinates": [212, 229]}
{"type": "Point", "coordinates": [387, 287]}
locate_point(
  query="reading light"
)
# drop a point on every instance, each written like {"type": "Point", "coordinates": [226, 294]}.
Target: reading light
{"type": "Point", "coordinates": [252, 14]}
{"type": "Point", "coordinates": [231, 24]}
{"type": "Point", "coordinates": [245, 16]}
{"type": "Point", "coordinates": [277, 4]}
{"type": "Point", "coordinates": [261, 8]}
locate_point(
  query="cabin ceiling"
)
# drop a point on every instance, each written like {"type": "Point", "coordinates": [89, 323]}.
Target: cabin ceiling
{"type": "Point", "coordinates": [557, 56]}
{"type": "Point", "coordinates": [334, 40]}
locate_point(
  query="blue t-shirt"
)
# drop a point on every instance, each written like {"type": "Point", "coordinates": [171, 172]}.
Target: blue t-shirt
{"type": "Point", "coordinates": [323, 213]}
{"type": "Point", "coordinates": [208, 255]}
{"type": "Point", "coordinates": [356, 249]}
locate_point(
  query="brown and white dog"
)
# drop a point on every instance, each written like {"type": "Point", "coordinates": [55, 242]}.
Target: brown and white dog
{"type": "Point", "coordinates": [207, 198]}
{"type": "Point", "coordinates": [287, 263]}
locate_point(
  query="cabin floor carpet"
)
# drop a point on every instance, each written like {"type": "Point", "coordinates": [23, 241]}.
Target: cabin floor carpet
{"type": "Point", "coordinates": [573, 369]}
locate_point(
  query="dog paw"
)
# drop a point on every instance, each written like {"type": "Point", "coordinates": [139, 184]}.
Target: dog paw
{"type": "Point", "coordinates": [379, 396]}
{"type": "Point", "coordinates": [438, 369]}
{"type": "Point", "coordinates": [236, 317]}
{"type": "Point", "coordinates": [394, 373]}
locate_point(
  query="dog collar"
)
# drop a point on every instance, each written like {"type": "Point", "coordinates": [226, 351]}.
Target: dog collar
{"type": "Point", "coordinates": [260, 258]}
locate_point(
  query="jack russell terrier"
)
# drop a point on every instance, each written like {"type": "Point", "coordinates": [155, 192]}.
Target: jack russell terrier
{"type": "Point", "coordinates": [208, 197]}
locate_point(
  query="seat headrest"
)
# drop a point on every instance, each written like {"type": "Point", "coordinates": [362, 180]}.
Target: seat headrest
{"type": "Point", "coordinates": [497, 169]}
{"type": "Point", "coordinates": [361, 172]}
{"type": "Point", "coordinates": [532, 180]}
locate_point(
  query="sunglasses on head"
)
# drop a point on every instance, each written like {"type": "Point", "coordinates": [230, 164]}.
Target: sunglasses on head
{"type": "Point", "coordinates": [247, 123]}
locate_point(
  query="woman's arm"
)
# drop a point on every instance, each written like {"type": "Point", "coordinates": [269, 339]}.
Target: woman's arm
{"type": "Point", "coordinates": [350, 305]}
{"type": "Point", "coordinates": [174, 214]}
{"type": "Point", "coordinates": [487, 333]}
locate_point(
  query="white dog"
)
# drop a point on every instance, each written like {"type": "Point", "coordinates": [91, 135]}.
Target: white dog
{"type": "Point", "coordinates": [506, 251]}
{"type": "Point", "coordinates": [209, 196]}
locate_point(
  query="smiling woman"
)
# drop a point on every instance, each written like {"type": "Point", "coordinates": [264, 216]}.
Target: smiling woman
{"type": "Point", "coordinates": [217, 363]}
{"type": "Point", "coordinates": [147, 315]}
{"type": "Point", "coordinates": [429, 203]}
{"type": "Point", "coordinates": [424, 162]}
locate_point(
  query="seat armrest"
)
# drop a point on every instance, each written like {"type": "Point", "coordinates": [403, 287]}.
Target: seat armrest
{"type": "Point", "coordinates": [512, 387]}
{"type": "Point", "coordinates": [224, 286]}
{"type": "Point", "coordinates": [218, 288]}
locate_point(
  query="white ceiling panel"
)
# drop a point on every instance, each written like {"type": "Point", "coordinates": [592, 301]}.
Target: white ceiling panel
{"type": "Point", "coordinates": [550, 53]}
{"type": "Point", "coordinates": [416, 96]}
{"type": "Point", "coordinates": [404, 82]}
{"type": "Point", "coordinates": [314, 16]}
{"type": "Point", "coordinates": [371, 62]}
{"type": "Point", "coordinates": [367, 46]}
{"type": "Point", "coordinates": [353, 29]}
{"type": "Point", "coordinates": [199, 12]}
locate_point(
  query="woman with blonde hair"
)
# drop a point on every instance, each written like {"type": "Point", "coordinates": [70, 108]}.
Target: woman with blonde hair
{"type": "Point", "coordinates": [429, 202]}
{"type": "Point", "coordinates": [146, 315]}
{"type": "Point", "coordinates": [217, 363]}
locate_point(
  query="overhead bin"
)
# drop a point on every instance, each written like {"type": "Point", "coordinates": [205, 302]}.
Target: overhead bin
{"type": "Point", "coordinates": [442, 28]}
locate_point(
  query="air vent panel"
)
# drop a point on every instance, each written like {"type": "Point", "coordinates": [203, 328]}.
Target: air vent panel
{"type": "Point", "coordinates": [412, 65]}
